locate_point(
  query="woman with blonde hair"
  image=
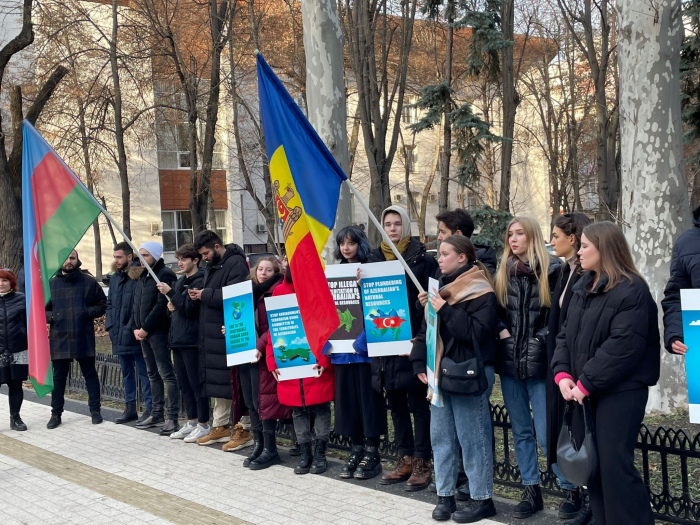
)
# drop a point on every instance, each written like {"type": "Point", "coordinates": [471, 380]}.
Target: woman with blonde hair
{"type": "Point", "coordinates": [524, 284]}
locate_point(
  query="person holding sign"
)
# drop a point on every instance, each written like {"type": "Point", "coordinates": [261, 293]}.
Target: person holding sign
{"type": "Point", "coordinates": [258, 386]}
{"type": "Point", "coordinates": [405, 393]}
{"type": "Point", "coordinates": [359, 409]}
{"type": "Point", "coordinates": [609, 352]}
{"type": "Point", "coordinates": [467, 318]}
{"type": "Point", "coordinates": [309, 398]}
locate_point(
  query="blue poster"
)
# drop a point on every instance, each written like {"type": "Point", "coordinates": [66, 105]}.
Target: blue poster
{"type": "Point", "coordinates": [385, 305]}
{"type": "Point", "coordinates": [293, 355]}
{"type": "Point", "coordinates": [239, 319]}
{"type": "Point", "coordinates": [431, 335]}
{"type": "Point", "coordinates": [690, 304]}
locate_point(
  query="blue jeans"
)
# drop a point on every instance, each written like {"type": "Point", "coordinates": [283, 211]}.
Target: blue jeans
{"type": "Point", "coordinates": [519, 396]}
{"type": "Point", "coordinates": [463, 421]}
{"type": "Point", "coordinates": [131, 363]}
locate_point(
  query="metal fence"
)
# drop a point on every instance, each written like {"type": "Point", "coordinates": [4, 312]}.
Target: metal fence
{"type": "Point", "coordinates": [668, 459]}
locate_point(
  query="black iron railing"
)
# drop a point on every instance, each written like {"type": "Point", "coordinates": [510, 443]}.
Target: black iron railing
{"type": "Point", "coordinates": [668, 459]}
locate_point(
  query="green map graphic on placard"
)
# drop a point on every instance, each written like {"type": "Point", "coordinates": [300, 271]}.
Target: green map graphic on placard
{"type": "Point", "coordinates": [237, 309]}
{"type": "Point", "coordinates": [346, 319]}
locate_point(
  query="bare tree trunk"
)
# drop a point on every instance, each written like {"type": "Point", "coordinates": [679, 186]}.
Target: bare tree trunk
{"type": "Point", "coordinates": [444, 193]}
{"type": "Point", "coordinates": [655, 193]}
{"type": "Point", "coordinates": [109, 223]}
{"type": "Point", "coordinates": [119, 125]}
{"type": "Point", "coordinates": [511, 99]}
{"type": "Point", "coordinates": [85, 147]}
{"type": "Point", "coordinates": [325, 94]}
{"type": "Point", "coordinates": [354, 140]}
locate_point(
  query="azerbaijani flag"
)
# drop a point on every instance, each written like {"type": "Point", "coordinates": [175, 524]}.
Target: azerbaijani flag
{"type": "Point", "coordinates": [306, 181]}
{"type": "Point", "coordinates": [57, 210]}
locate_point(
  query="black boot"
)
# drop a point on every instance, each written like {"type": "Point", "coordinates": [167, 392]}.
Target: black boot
{"type": "Point", "coordinates": [269, 455]}
{"type": "Point", "coordinates": [16, 423]}
{"type": "Point", "coordinates": [53, 422]}
{"type": "Point", "coordinates": [463, 493]}
{"type": "Point", "coordinates": [531, 502]}
{"type": "Point", "coordinates": [295, 450]}
{"type": "Point", "coordinates": [444, 509]}
{"type": "Point", "coordinates": [319, 464]}
{"type": "Point", "coordinates": [96, 417]}
{"type": "Point", "coordinates": [258, 446]}
{"type": "Point", "coordinates": [305, 459]}
{"type": "Point", "coordinates": [570, 507]}
{"type": "Point", "coordinates": [370, 466]}
{"type": "Point", "coordinates": [475, 510]}
{"type": "Point", "coordinates": [356, 454]}
{"type": "Point", "coordinates": [129, 414]}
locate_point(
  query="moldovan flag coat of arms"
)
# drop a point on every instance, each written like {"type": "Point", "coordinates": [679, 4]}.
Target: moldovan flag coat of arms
{"type": "Point", "coordinates": [57, 210]}
{"type": "Point", "coordinates": [306, 182]}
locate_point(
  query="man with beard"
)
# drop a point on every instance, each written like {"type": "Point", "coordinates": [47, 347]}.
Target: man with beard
{"type": "Point", "coordinates": [120, 305]}
{"type": "Point", "coordinates": [225, 266]}
{"type": "Point", "coordinates": [76, 301]}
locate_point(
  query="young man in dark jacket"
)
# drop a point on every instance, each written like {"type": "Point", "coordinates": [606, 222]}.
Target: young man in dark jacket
{"type": "Point", "coordinates": [76, 301]}
{"type": "Point", "coordinates": [685, 273]}
{"type": "Point", "coordinates": [183, 340]}
{"type": "Point", "coordinates": [226, 265]}
{"type": "Point", "coordinates": [120, 307]}
{"type": "Point", "coordinates": [459, 222]}
{"type": "Point", "coordinates": [150, 322]}
{"type": "Point", "coordinates": [404, 392]}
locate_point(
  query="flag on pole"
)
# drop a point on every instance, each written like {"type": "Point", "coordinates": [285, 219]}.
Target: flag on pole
{"type": "Point", "coordinates": [57, 210]}
{"type": "Point", "coordinates": [306, 182]}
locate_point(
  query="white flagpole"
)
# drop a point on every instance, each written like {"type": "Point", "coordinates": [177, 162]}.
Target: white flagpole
{"type": "Point", "coordinates": [384, 235]}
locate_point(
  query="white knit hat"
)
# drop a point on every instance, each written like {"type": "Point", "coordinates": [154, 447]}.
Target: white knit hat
{"type": "Point", "coordinates": [154, 248]}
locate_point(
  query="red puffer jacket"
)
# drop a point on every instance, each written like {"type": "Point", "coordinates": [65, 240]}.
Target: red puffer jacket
{"type": "Point", "coordinates": [308, 391]}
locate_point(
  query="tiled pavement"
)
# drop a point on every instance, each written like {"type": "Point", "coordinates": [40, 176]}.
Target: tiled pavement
{"type": "Point", "coordinates": [83, 474]}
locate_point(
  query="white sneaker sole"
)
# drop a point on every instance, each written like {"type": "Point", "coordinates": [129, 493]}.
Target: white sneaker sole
{"type": "Point", "coordinates": [212, 441]}
{"type": "Point", "coordinates": [240, 447]}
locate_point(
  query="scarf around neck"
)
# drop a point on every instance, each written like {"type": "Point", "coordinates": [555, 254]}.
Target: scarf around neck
{"type": "Point", "coordinates": [402, 246]}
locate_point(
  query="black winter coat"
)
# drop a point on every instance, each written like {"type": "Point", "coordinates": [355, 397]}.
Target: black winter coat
{"type": "Point", "coordinates": [487, 256]}
{"type": "Point", "coordinates": [13, 336]}
{"type": "Point", "coordinates": [151, 306]}
{"type": "Point", "coordinates": [458, 324]}
{"type": "Point", "coordinates": [524, 354]}
{"type": "Point", "coordinates": [76, 301]}
{"type": "Point", "coordinates": [120, 308]}
{"type": "Point", "coordinates": [213, 370]}
{"type": "Point", "coordinates": [685, 273]}
{"type": "Point", "coordinates": [557, 317]}
{"type": "Point", "coordinates": [396, 372]}
{"type": "Point", "coordinates": [610, 341]}
{"type": "Point", "coordinates": [184, 321]}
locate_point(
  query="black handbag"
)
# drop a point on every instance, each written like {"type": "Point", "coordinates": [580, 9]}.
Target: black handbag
{"type": "Point", "coordinates": [467, 378]}
{"type": "Point", "coordinates": [578, 462]}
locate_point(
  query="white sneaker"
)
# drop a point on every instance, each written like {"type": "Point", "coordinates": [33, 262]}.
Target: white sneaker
{"type": "Point", "coordinates": [199, 432]}
{"type": "Point", "coordinates": [185, 431]}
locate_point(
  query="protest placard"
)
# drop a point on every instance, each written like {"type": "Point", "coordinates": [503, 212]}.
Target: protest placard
{"type": "Point", "coordinates": [342, 281]}
{"type": "Point", "coordinates": [293, 355]}
{"type": "Point", "coordinates": [431, 335]}
{"type": "Point", "coordinates": [385, 307]}
{"type": "Point", "coordinates": [239, 320]}
{"type": "Point", "coordinates": [690, 305]}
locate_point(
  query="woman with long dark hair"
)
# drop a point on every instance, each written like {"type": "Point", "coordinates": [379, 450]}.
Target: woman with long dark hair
{"type": "Point", "coordinates": [566, 240]}
{"type": "Point", "coordinates": [359, 408]}
{"type": "Point", "coordinates": [609, 351]}
{"type": "Point", "coordinates": [14, 366]}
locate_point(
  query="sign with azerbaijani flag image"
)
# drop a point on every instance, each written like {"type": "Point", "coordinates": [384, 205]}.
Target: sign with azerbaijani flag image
{"type": "Point", "coordinates": [690, 305]}
{"type": "Point", "coordinates": [239, 316]}
{"type": "Point", "coordinates": [385, 305]}
{"type": "Point", "coordinates": [342, 282]}
{"type": "Point", "coordinates": [293, 355]}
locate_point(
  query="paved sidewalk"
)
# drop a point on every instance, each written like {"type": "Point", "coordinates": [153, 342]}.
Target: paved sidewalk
{"type": "Point", "coordinates": [81, 473]}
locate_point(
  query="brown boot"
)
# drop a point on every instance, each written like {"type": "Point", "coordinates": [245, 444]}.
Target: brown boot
{"type": "Point", "coordinates": [421, 475]}
{"type": "Point", "coordinates": [216, 435]}
{"type": "Point", "coordinates": [401, 472]}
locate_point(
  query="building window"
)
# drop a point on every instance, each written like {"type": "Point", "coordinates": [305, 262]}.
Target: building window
{"type": "Point", "coordinates": [409, 115]}
{"type": "Point", "coordinates": [177, 228]}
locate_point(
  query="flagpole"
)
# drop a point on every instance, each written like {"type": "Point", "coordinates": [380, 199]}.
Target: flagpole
{"type": "Point", "coordinates": [384, 235]}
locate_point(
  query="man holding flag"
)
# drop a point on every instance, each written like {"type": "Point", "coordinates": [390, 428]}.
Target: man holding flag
{"type": "Point", "coordinates": [76, 301]}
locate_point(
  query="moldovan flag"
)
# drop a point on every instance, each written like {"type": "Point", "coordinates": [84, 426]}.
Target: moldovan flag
{"type": "Point", "coordinates": [57, 210]}
{"type": "Point", "coordinates": [306, 182]}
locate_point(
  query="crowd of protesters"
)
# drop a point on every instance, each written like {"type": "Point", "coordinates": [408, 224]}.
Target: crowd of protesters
{"type": "Point", "coordinates": [559, 331]}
